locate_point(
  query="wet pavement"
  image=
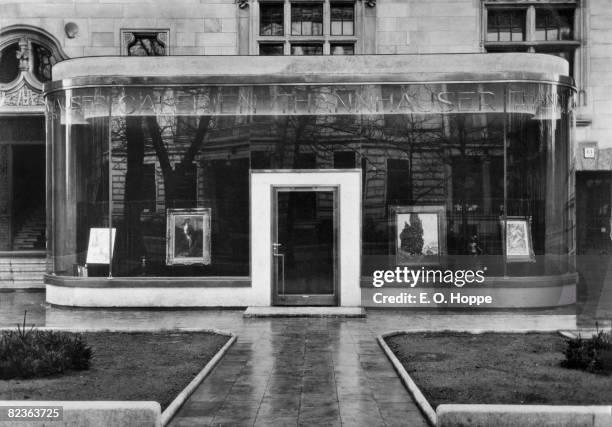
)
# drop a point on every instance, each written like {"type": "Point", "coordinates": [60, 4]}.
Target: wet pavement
{"type": "Point", "coordinates": [289, 371]}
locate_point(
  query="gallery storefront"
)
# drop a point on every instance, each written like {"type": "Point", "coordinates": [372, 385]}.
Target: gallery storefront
{"type": "Point", "coordinates": [255, 181]}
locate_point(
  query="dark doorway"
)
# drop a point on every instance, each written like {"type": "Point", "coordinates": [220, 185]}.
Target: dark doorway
{"type": "Point", "coordinates": [593, 239]}
{"type": "Point", "coordinates": [305, 246]}
{"type": "Point", "coordinates": [28, 202]}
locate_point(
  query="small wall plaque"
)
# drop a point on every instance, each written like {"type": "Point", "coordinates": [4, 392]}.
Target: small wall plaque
{"type": "Point", "coordinates": [589, 152]}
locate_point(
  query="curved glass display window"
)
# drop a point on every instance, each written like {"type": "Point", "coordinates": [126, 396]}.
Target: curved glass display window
{"type": "Point", "coordinates": [456, 175]}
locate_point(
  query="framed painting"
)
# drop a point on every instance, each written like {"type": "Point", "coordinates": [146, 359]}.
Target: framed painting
{"type": "Point", "coordinates": [188, 236]}
{"type": "Point", "coordinates": [99, 247]}
{"type": "Point", "coordinates": [419, 234]}
{"type": "Point", "coordinates": [517, 239]}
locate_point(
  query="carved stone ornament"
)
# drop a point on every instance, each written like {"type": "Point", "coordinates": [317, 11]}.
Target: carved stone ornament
{"type": "Point", "coordinates": [23, 54]}
{"type": "Point", "coordinates": [21, 96]}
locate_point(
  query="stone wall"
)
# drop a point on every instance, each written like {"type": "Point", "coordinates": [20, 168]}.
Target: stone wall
{"type": "Point", "coordinates": [598, 90]}
{"type": "Point", "coordinates": [197, 27]}
{"type": "Point", "coordinates": [210, 27]}
{"type": "Point", "coordinates": [432, 26]}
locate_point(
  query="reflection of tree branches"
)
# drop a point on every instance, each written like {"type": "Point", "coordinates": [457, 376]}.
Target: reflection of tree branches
{"type": "Point", "coordinates": [173, 176]}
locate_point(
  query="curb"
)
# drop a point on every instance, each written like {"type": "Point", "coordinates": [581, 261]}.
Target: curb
{"type": "Point", "coordinates": [492, 415]}
{"type": "Point", "coordinates": [182, 397]}
{"type": "Point", "coordinates": [414, 390]}
{"type": "Point", "coordinates": [118, 329]}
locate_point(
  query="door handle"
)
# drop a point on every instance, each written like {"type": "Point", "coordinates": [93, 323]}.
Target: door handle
{"type": "Point", "coordinates": [281, 258]}
{"type": "Point", "coordinates": [275, 249]}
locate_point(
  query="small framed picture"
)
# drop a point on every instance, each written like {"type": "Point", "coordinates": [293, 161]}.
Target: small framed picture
{"type": "Point", "coordinates": [517, 237]}
{"type": "Point", "coordinates": [188, 236]}
{"type": "Point", "coordinates": [419, 234]}
{"type": "Point", "coordinates": [100, 247]}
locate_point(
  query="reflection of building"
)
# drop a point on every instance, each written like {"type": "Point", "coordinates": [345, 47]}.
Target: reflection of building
{"type": "Point", "coordinates": [483, 136]}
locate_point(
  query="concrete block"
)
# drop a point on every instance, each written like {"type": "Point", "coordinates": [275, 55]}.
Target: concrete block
{"type": "Point", "coordinates": [390, 37]}
{"type": "Point", "coordinates": [140, 10]}
{"type": "Point", "coordinates": [229, 25]}
{"type": "Point", "coordinates": [407, 48]}
{"type": "Point", "coordinates": [188, 50]}
{"type": "Point", "coordinates": [428, 23]}
{"type": "Point", "coordinates": [386, 49]}
{"type": "Point", "coordinates": [212, 25]}
{"type": "Point", "coordinates": [229, 50]}
{"type": "Point", "coordinates": [103, 10]}
{"type": "Point", "coordinates": [44, 10]}
{"type": "Point", "coordinates": [407, 24]}
{"type": "Point", "coordinates": [601, 21]}
{"type": "Point", "coordinates": [185, 39]}
{"type": "Point", "coordinates": [10, 10]}
{"type": "Point", "coordinates": [601, 64]}
{"type": "Point", "coordinates": [602, 51]}
{"type": "Point", "coordinates": [215, 39]}
{"type": "Point", "coordinates": [600, 36]}
{"type": "Point", "coordinates": [96, 413]}
{"type": "Point", "coordinates": [523, 415]}
{"type": "Point", "coordinates": [195, 25]}
{"type": "Point", "coordinates": [102, 39]}
{"type": "Point", "coordinates": [134, 24]}
{"type": "Point", "coordinates": [387, 24]}
{"type": "Point", "coordinates": [100, 51]}
{"type": "Point", "coordinates": [392, 9]}
{"type": "Point", "coordinates": [101, 24]}
{"type": "Point", "coordinates": [454, 9]}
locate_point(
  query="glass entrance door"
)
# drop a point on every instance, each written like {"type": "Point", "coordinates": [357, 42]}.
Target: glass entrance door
{"type": "Point", "coordinates": [304, 246]}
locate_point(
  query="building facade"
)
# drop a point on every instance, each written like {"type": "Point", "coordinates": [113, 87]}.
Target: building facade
{"type": "Point", "coordinates": [371, 144]}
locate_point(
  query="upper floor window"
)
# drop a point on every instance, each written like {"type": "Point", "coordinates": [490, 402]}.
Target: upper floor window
{"type": "Point", "coordinates": [506, 25]}
{"type": "Point", "coordinates": [321, 27]}
{"type": "Point", "coordinates": [540, 27]}
{"type": "Point", "coordinates": [555, 24]}
{"type": "Point", "coordinates": [306, 19]}
{"type": "Point", "coordinates": [342, 19]}
{"type": "Point", "coordinates": [272, 21]}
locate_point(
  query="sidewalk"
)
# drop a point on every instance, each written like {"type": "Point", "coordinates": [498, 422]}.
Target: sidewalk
{"type": "Point", "coordinates": [288, 371]}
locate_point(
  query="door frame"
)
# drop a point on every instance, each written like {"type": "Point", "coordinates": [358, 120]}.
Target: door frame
{"type": "Point", "coordinates": [349, 211]}
{"type": "Point", "coordinates": [304, 299]}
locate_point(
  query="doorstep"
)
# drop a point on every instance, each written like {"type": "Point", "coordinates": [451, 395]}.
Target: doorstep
{"type": "Point", "coordinates": [304, 312]}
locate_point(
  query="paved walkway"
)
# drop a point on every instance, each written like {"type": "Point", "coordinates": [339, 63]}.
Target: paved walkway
{"type": "Point", "coordinates": [288, 371]}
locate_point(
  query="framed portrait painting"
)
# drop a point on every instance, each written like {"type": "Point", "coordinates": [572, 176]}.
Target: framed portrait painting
{"type": "Point", "coordinates": [419, 234]}
{"type": "Point", "coordinates": [517, 238]}
{"type": "Point", "coordinates": [188, 236]}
